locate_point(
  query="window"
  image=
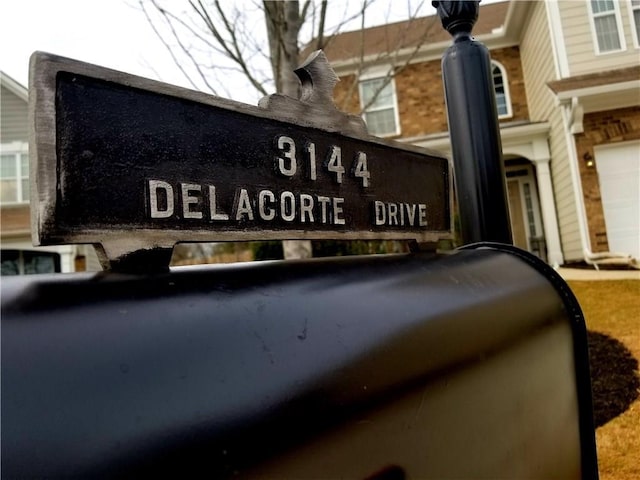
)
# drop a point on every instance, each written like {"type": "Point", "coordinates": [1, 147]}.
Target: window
{"type": "Point", "coordinates": [378, 100]}
{"type": "Point", "coordinates": [14, 173]}
{"type": "Point", "coordinates": [27, 262]}
{"type": "Point", "coordinates": [634, 12]}
{"type": "Point", "coordinates": [528, 204]}
{"type": "Point", "coordinates": [605, 21]}
{"type": "Point", "coordinates": [501, 89]}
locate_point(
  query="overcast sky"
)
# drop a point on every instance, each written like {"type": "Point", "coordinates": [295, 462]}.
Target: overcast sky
{"type": "Point", "coordinates": [110, 33]}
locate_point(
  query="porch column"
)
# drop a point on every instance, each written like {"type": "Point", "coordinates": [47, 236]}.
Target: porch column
{"type": "Point", "coordinates": [547, 206]}
{"type": "Point", "coordinates": [67, 258]}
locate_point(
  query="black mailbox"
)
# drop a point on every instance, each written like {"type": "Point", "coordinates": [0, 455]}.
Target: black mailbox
{"type": "Point", "coordinates": [468, 365]}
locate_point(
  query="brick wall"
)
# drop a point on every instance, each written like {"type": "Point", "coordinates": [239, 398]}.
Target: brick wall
{"type": "Point", "coordinates": [345, 95]}
{"type": "Point", "coordinates": [421, 96]}
{"type": "Point", "coordinates": [421, 99]}
{"type": "Point", "coordinates": [601, 128]}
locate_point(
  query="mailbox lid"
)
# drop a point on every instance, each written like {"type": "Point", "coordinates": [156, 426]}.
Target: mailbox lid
{"type": "Point", "coordinates": [224, 368]}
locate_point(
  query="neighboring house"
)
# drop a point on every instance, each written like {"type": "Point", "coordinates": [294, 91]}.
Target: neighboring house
{"type": "Point", "coordinates": [567, 83]}
{"type": "Point", "coordinates": [18, 256]}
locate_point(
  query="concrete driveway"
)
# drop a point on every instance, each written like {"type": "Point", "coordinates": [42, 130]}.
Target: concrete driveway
{"type": "Point", "coordinates": [593, 274]}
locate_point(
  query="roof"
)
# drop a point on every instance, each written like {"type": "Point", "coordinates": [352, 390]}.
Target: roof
{"type": "Point", "coordinates": [597, 79]}
{"type": "Point", "coordinates": [409, 33]}
{"type": "Point", "coordinates": [13, 86]}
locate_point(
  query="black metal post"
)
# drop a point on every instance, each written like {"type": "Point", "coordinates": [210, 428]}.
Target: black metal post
{"type": "Point", "coordinates": [474, 128]}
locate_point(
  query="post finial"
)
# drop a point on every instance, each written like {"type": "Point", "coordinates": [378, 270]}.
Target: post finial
{"type": "Point", "coordinates": [317, 78]}
{"type": "Point", "coordinates": [315, 107]}
{"type": "Point", "coordinates": [457, 16]}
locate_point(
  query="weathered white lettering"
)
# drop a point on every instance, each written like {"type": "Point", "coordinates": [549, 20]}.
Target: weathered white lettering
{"type": "Point", "coordinates": [360, 169]}
{"type": "Point", "coordinates": [306, 208]}
{"type": "Point", "coordinates": [287, 206]}
{"type": "Point", "coordinates": [411, 213]}
{"type": "Point", "coordinates": [288, 147]}
{"type": "Point", "coordinates": [214, 214]}
{"type": "Point", "coordinates": [311, 148]}
{"type": "Point", "coordinates": [248, 205]}
{"type": "Point", "coordinates": [287, 161]}
{"type": "Point", "coordinates": [399, 214]}
{"type": "Point", "coordinates": [334, 164]}
{"type": "Point", "coordinates": [338, 219]}
{"type": "Point", "coordinates": [243, 205]}
{"type": "Point", "coordinates": [324, 202]}
{"type": "Point", "coordinates": [188, 200]}
{"type": "Point", "coordinates": [393, 213]}
{"type": "Point", "coordinates": [380, 213]}
{"type": "Point", "coordinates": [266, 212]}
{"type": "Point", "coordinates": [154, 187]}
{"type": "Point", "coordinates": [422, 208]}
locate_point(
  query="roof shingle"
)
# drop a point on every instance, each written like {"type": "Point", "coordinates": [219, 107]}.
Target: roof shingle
{"type": "Point", "coordinates": [409, 33]}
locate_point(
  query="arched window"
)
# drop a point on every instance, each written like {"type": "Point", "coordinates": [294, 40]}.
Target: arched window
{"type": "Point", "coordinates": [501, 89]}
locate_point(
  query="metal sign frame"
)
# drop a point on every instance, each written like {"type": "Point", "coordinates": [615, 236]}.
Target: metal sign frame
{"type": "Point", "coordinates": [135, 165]}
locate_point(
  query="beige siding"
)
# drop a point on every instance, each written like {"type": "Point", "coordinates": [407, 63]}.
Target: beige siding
{"type": "Point", "coordinates": [13, 112]}
{"type": "Point", "coordinates": [580, 44]}
{"type": "Point", "coordinates": [538, 66]}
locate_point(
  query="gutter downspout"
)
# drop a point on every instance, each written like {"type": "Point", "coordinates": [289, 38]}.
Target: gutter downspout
{"type": "Point", "coordinates": [572, 125]}
{"type": "Point", "coordinates": [581, 213]}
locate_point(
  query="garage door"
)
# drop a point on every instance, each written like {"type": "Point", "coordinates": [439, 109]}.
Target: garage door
{"type": "Point", "coordinates": [618, 168]}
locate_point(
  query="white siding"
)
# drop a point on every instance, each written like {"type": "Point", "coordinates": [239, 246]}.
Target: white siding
{"type": "Point", "coordinates": [13, 117]}
{"type": "Point", "coordinates": [538, 67]}
{"type": "Point", "coordinates": [578, 35]}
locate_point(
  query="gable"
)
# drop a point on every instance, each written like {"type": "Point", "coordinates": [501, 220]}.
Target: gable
{"type": "Point", "coordinates": [13, 114]}
{"type": "Point", "coordinates": [409, 34]}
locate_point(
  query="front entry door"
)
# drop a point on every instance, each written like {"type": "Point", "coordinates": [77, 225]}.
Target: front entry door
{"type": "Point", "coordinates": [524, 210]}
{"type": "Point", "coordinates": [518, 229]}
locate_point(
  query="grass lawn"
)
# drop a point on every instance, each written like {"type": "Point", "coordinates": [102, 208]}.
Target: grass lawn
{"type": "Point", "coordinates": [613, 308]}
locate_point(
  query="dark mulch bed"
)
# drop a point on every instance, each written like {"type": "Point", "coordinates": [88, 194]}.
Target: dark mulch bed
{"type": "Point", "coordinates": [615, 381]}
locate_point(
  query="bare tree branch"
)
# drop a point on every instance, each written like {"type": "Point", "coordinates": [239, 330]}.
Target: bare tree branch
{"type": "Point", "coordinates": [305, 11]}
{"type": "Point", "coordinates": [323, 17]}
{"type": "Point", "coordinates": [219, 28]}
{"type": "Point", "coordinates": [391, 57]}
{"type": "Point", "coordinates": [184, 49]}
{"type": "Point", "coordinates": [232, 48]}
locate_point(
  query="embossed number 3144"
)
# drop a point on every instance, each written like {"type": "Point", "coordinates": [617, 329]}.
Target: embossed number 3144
{"type": "Point", "coordinates": [288, 162]}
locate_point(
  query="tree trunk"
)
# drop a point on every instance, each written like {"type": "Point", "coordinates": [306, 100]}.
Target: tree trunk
{"type": "Point", "coordinates": [283, 26]}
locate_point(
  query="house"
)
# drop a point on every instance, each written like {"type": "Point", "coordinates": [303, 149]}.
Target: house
{"type": "Point", "coordinates": [567, 84]}
{"type": "Point", "coordinates": [18, 256]}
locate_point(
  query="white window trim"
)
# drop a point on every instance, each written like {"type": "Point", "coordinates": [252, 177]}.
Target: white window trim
{"type": "Point", "coordinates": [16, 148]}
{"type": "Point", "coordinates": [505, 82]}
{"type": "Point", "coordinates": [372, 73]}
{"type": "Point", "coordinates": [632, 21]}
{"type": "Point", "coordinates": [594, 33]}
